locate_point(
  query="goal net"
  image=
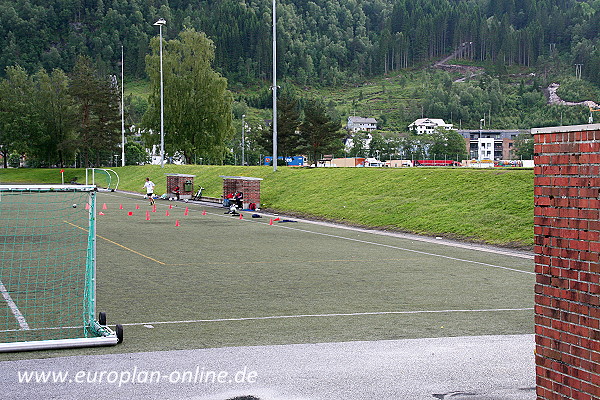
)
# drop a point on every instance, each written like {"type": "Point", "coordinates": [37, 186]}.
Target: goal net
{"type": "Point", "coordinates": [47, 268]}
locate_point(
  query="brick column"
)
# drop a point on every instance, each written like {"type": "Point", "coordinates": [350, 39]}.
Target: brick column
{"type": "Point", "coordinates": [249, 186]}
{"type": "Point", "coordinates": [567, 244]}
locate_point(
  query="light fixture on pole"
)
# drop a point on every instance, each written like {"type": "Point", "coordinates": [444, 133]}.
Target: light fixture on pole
{"type": "Point", "coordinates": [243, 138]}
{"type": "Point", "coordinates": [122, 109]}
{"type": "Point", "coordinates": [160, 24]}
{"type": "Point", "coordinates": [274, 88]}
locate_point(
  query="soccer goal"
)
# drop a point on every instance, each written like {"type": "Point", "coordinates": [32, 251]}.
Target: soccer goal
{"type": "Point", "coordinates": [48, 269]}
{"type": "Point", "coordinates": [103, 175]}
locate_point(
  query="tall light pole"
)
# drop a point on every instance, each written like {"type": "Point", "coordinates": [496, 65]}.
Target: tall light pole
{"type": "Point", "coordinates": [122, 109]}
{"type": "Point", "coordinates": [160, 24]}
{"type": "Point", "coordinates": [274, 88]}
{"type": "Point", "coordinates": [243, 138]}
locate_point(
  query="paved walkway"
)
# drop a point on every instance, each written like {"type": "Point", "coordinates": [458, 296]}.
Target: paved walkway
{"type": "Point", "coordinates": [473, 368]}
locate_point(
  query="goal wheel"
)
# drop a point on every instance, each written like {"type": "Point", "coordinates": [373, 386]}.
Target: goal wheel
{"type": "Point", "coordinates": [102, 318]}
{"type": "Point", "coordinates": [119, 331]}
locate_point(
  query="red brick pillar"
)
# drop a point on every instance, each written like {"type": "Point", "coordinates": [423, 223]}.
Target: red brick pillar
{"type": "Point", "coordinates": [249, 186]}
{"type": "Point", "coordinates": [567, 244]}
{"type": "Point", "coordinates": [251, 190]}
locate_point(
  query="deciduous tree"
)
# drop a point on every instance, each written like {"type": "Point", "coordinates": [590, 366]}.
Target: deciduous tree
{"type": "Point", "coordinates": [197, 104]}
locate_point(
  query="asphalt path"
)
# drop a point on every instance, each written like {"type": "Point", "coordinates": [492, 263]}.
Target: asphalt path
{"type": "Point", "coordinates": [473, 367]}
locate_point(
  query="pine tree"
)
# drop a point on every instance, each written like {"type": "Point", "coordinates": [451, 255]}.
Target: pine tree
{"type": "Point", "coordinates": [320, 134]}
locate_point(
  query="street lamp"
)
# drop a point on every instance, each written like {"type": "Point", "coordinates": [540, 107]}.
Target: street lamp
{"type": "Point", "coordinates": [160, 24]}
{"type": "Point", "coordinates": [274, 88]}
{"type": "Point", "coordinates": [243, 139]}
{"type": "Point", "coordinates": [122, 108]}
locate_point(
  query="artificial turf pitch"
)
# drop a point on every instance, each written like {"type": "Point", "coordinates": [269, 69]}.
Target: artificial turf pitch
{"type": "Point", "coordinates": [220, 280]}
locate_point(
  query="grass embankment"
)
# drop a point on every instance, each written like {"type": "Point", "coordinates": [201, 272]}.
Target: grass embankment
{"type": "Point", "coordinates": [489, 205]}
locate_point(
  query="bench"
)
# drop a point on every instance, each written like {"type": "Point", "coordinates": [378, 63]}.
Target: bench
{"type": "Point", "coordinates": [212, 199]}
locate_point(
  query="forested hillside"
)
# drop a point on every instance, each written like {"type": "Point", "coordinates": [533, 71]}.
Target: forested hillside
{"type": "Point", "coordinates": [326, 41]}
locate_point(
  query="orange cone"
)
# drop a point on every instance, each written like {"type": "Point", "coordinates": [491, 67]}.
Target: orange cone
{"type": "Point", "coordinates": [176, 222]}
{"type": "Point", "coordinates": [104, 206]}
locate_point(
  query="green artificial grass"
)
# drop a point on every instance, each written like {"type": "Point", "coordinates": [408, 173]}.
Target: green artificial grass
{"type": "Point", "coordinates": [488, 205]}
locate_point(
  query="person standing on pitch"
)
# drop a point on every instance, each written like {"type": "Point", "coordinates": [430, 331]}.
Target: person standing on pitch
{"type": "Point", "coordinates": [149, 185]}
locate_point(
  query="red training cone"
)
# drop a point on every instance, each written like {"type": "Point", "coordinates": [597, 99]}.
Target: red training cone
{"type": "Point", "coordinates": [87, 206]}
{"type": "Point", "coordinates": [170, 206]}
{"type": "Point", "coordinates": [130, 213]}
{"type": "Point", "coordinates": [277, 219]}
{"type": "Point", "coordinates": [203, 212]}
{"type": "Point", "coordinates": [120, 206]}
{"type": "Point", "coordinates": [147, 215]}
{"type": "Point", "coordinates": [241, 216]}
{"type": "Point", "coordinates": [271, 221]}
{"type": "Point", "coordinates": [187, 211]}
{"type": "Point", "coordinates": [137, 206]}
{"type": "Point", "coordinates": [154, 208]}
{"type": "Point", "coordinates": [104, 206]}
{"type": "Point", "coordinates": [100, 213]}
{"type": "Point", "coordinates": [176, 222]}
{"type": "Point", "coordinates": [167, 213]}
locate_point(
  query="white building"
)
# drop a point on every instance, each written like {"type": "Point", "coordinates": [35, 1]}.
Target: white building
{"type": "Point", "coordinates": [360, 124]}
{"type": "Point", "coordinates": [485, 147]}
{"type": "Point", "coordinates": [428, 125]}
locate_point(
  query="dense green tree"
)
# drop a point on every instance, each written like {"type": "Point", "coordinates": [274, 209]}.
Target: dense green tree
{"type": "Point", "coordinates": [320, 133]}
{"type": "Point", "coordinates": [97, 102]}
{"type": "Point", "coordinates": [288, 121]}
{"type": "Point", "coordinates": [135, 154]}
{"type": "Point", "coordinates": [447, 144]}
{"type": "Point", "coordinates": [57, 111]}
{"type": "Point", "coordinates": [197, 104]}
{"type": "Point", "coordinates": [523, 147]}
{"type": "Point", "coordinates": [20, 128]}
{"type": "Point", "coordinates": [339, 41]}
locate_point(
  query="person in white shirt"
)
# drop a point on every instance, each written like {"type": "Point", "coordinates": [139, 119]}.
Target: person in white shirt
{"type": "Point", "coordinates": [149, 185]}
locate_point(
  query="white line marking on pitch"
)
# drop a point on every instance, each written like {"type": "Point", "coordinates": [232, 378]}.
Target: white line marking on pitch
{"type": "Point", "coordinates": [411, 250]}
{"type": "Point", "coordinates": [194, 321]}
{"type": "Point", "coordinates": [13, 307]}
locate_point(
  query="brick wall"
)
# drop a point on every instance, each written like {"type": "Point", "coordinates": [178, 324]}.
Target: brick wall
{"type": "Point", "coordinates": [567, 244]}
{"type": "Point", "coordinates": [175, 180]}
{"type": "Point", "coordinates": [250, 187]}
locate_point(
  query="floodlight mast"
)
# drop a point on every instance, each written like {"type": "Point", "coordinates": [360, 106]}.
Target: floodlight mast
{"type": "Point", "coordinates": [160, 24]}
{"type": "Point", "coordinates": [122, 109]}
{"type": "Point", "coordinates": [243, 139]}
{"type": "Point", "coordinates": [274, 88]}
